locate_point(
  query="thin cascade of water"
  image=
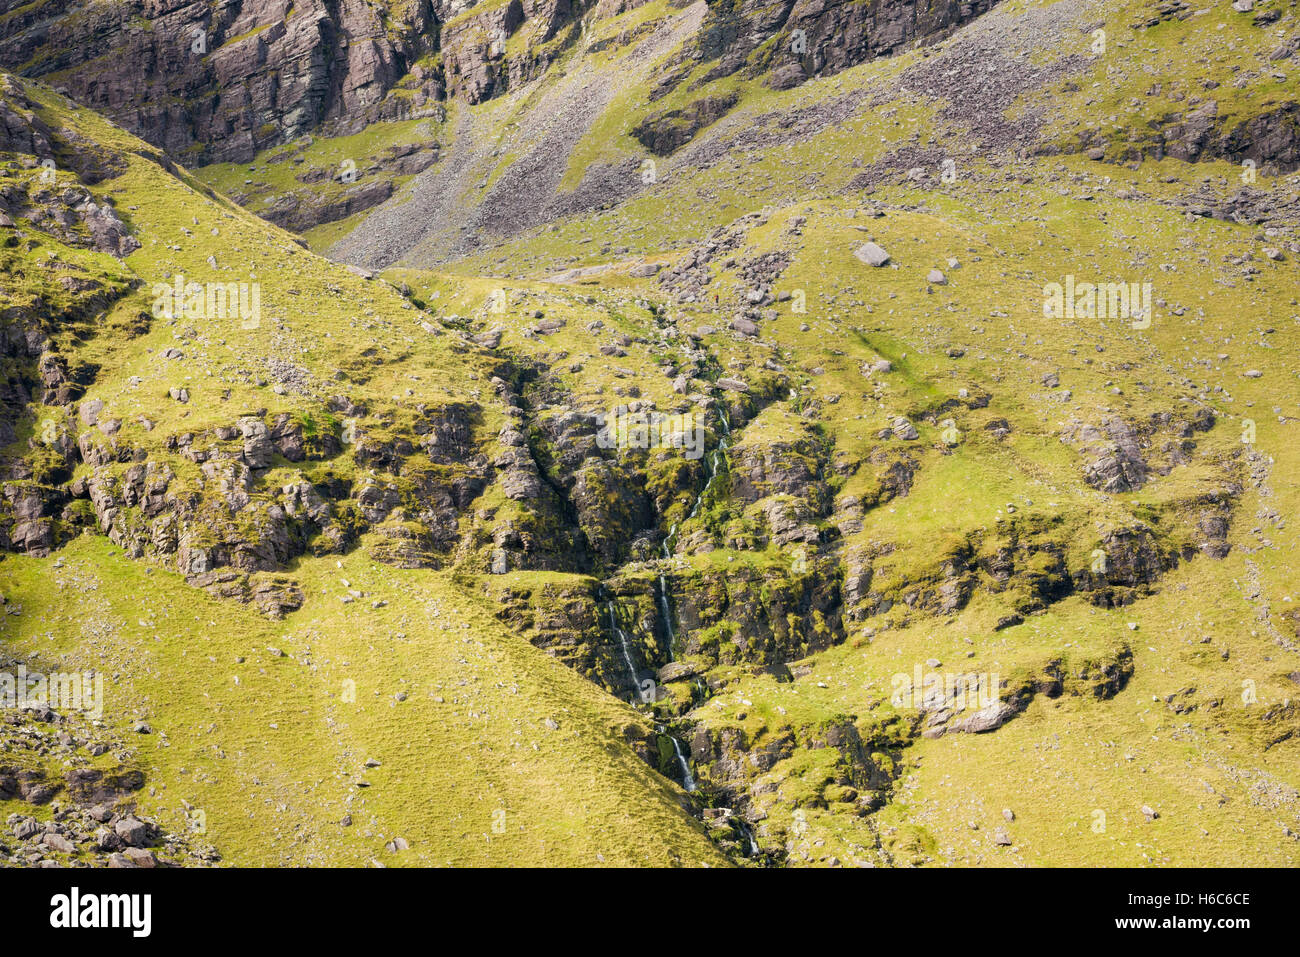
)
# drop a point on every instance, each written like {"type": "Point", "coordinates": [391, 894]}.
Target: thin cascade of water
{"type": "Point", "coordinates": [626, 648]}
{"type": "Point", "coordinates": [712, 467]}
{"type": "Point", "coordinates": [749, 836]}
{"type": "Point", "coordinates": [667, 546]}
{"type": "Point", "coordinates": [688, 779]}
{"type": "Point", "coordinates": [711, 463]}
{"type": "Point", "coordinates": [666, 611]}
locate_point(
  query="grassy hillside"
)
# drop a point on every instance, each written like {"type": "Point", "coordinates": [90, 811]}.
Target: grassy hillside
{"type": "Point", "coordinates": [488, 751]}
{"type": "Point", "coordinates": [567, 649]}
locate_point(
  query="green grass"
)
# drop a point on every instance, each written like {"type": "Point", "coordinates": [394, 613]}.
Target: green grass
{"type": "Point", "coordinates": [271, 748]}
{"type": "Point", "coordinates": [1223, 777]}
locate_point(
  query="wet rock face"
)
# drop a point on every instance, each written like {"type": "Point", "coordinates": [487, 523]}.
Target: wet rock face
{"type": "Point", "coordinates": [744, 771]}
{"type": "Point", "coordinates": [742, 618]}
{"type": "Point", "coordinates": [569, 621]}
{"type": "Point", "coordinates": [758, 617]}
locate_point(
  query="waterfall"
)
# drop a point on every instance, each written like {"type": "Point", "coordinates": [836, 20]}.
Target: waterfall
{"type": "Point", "coordinates": [626, 648]}
{"type": "Point", "coordinates": [667, 613]}
{"type": "Point", "coordinates": [688, 780]}
{"type": "Point", "coordinates": [711, 463]}
{"type": "Point", "coordinates": [749, 836]}
{"type": "Point", "coordinates": [711, 466]}
{"type": "Point", "coordinates": [665, 609]}
{"type": "Point", "coordinates": [668, 541]}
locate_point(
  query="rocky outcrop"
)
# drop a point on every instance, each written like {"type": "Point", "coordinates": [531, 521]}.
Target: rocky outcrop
{"type": "Point", "coordinates": [795, 468]}
{"type": "Point", "coordinates": [607, 493]}
{"type": "Point", "coordinates": [214, 522]}
{"type": "Point", "coordinates": [757, 616]}
{"type": "Point", "coordinates": [299, 213]}
{"type": "Point", "coordinates": [664, 133]}
{"type": "Point", "coordinates": [77, 775]}
{"type": "Point", "coordinates": [979, 703]}
{"type": "Point", "coordinates": [1125, 564]}
{"type": "Point", "coordinates": [1117, 453]}
{"type": "Point", "coordinates": [849, 767]}
{"type": "Point", "coordinates": [72, 216]}
{"type": "Point", "coordinates": [815, 37]}
{"type": "Point", "coordinates": [1270, 139]}
{"type": "Point", "coordinates": [21, 131]}
{"type": "Point", "coordinates": [473, 50]}
{"type": "Point", "coordinates": [1026, 562]}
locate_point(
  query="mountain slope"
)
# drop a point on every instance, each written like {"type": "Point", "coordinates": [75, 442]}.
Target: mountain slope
{"type": "Point", "coordinates": [905, 441]}
{"type": "Point", "coordinates": [254, 722]}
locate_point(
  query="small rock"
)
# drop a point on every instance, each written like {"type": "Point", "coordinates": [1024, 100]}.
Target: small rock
{"type": "Point", "coordinates": [904, 430]}
{"type": "Point", "coordinates": [133, 832]}
{"type": "Point", "coordinates": [872, 254]}
{"type": "Point", "coordinates": [57, 842]}
{"type": "Point", "coordinates": [139, 857]}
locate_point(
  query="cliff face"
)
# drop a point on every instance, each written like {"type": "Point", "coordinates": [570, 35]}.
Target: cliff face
{"type": "Point", "coordinates": [809, 37]}
{"type": "Point", "coordinates": [216, 83]}
{"type": "Point", "coordinates": [480, 56]}
{"type": "Point", "coordinates": [219, 83]}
